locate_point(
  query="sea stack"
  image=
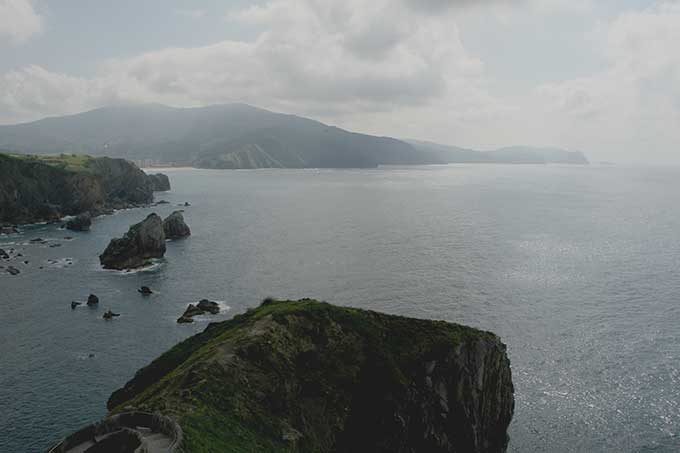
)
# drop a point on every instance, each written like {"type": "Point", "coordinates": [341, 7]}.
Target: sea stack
{"type": "Point", "coordinates": [143, 241]}
{"type": "Point", "coordinates": [175, 227]}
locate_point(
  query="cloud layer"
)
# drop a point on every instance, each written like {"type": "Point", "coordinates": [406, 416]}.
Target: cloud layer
{"type": "Point", "coordinates": [18, 20]}
{"type": "Point", "coordinates": [395, 67]}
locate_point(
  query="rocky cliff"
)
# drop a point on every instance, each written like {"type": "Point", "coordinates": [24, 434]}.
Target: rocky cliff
{"type": "Point", "coordinates": [161, 182]}
{"type": "Point", "coordinates": [46, 188]}
{"type": "Point", "coordinates": [305, 376]}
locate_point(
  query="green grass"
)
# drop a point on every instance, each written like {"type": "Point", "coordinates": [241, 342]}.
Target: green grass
{"type": "Point", "coordinates": [68, 162]}
{"type": "Point", "coordinates": [219, 411]}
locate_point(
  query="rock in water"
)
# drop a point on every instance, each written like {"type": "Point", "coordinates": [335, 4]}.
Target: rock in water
{"type": "Point", "coordinates": [92, 300]}
{"type": "Point", "coordinates": [13, 270]}
{"type": "Point", "coordinates": [203, 306]}
{"type": "Point", "coordinates": [311, 377]}
{"type": "Point", "coordinates": [3, 255]}
{"type": "Point", "coordinates": [8, 230]}
{"type": "Point", "coordinates": [209, 306]}
{"type": "Point", "coordinates": [81, 222]}
{"type": "Point", "coordinates": [188, 315]}
{"type": "Point", "coordinates": [174, 226]}
{"type": "Point", "coordinates": [143, 241]}
{"type": "Point", "coordinates": [145, 290]}
{"type": "Point", "coordinates": [74, 304]}
{"type": "Point", "coordinates": [110, 315]}
{"type": "Point", "coordinates": [160, 182]}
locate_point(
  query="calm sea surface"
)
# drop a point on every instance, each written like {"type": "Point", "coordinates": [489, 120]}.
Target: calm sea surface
{"type": "Point", "coordinates": [576, 268]}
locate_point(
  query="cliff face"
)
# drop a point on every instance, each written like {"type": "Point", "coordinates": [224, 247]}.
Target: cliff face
{"type": "Point", "coordinates": [311, 377]}
{"type": "Point", "coordinates": [45, 188]}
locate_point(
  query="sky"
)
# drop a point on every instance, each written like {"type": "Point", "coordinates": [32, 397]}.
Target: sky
{"type": "Point", "coordinates": [601, 76]}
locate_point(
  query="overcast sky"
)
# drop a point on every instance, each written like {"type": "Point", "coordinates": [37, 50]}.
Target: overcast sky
{"type": "Point", "coordinates": [602, 76]}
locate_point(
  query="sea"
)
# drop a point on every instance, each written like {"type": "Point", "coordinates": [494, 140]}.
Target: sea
{"type": "Point", "coordinates": [576, 268]}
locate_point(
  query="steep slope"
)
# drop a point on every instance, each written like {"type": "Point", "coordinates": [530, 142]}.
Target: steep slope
{"type": "Point", "coordinates": [46, 188]}
{"type": "Point", "coordinates": [311, 377]}
{"type": "Point", "coordinates": [222, 136]}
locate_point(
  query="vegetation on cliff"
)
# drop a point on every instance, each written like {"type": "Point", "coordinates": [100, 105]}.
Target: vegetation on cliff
{"type": "Point", "coordinates": [312, 377]}
{"type": "Point", "coordinates": [46, 188]}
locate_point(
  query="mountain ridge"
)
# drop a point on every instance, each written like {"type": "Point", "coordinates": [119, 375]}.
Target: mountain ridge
{"type": "Point", "coordinates": [229, 136]}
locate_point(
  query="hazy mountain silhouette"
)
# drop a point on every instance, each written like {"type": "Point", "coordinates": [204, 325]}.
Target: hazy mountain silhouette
{"type": "Point", "coordinates": [236, 136]}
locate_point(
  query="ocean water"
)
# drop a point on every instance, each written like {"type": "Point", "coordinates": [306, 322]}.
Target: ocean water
{"type": "Point", "coordinates": [576, 268]}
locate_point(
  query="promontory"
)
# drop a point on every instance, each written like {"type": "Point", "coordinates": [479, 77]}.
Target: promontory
{"type": "Point", "coordinates": [306, 376]}
{"type": "Point", "coordinates": [47, 188]}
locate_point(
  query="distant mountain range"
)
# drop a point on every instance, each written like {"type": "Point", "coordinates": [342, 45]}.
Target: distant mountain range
{"type": "Point", "coordinates": [240, 136]}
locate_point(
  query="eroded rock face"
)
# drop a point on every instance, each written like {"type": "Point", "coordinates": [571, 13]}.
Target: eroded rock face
{"type": "Point", "coordinates": [311, 377]}
{"type": "Point", "coordinates": [81, 222]}
{"type": "Point", "coordinates": [161, 182]}
{"type": "Point", "coordinates": [143, 241]}
{"type": "Point", "coordinates": [36, 189]}
{"type": "Point", "coordinates": [175, 227]}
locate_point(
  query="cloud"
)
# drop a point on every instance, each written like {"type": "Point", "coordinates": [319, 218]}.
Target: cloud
{"type": "Point", "coordinates": [311, 56]}
{"type": "Point", "coordinates": [379, 67]}
{"type": "Point", "coordinates": [18, 20]}
{"type": "Point", "coordinates": [635, 102]}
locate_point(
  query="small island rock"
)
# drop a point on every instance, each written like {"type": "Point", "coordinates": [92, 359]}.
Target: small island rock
{"type": "Point", "coordinates": [203, 306]}
{"type": "Point", "coordinates": [110, 315]}
{"type": "Point", "coordinates": [13, 270]}
{"type": "Point", "coordinates": [175, 227]}
{"type": "Point", "coordinates": [209, 306]}
{"type": "Point", "coordinates": [81, 222]}
{"type": "Point", "coordinates": [143, 241]}
{"type": "Point", "coordinates": [92, 300]}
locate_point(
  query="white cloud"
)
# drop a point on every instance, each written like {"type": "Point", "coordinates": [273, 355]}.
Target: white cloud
{"type": "Point", "coordinates": [382, 68]}
{"type": "Point", "coordinates": [18, 20]}
{"type": "Point", "coordinates": [312, 56]}
{"type": "Point", "coordinates": [635, 102]}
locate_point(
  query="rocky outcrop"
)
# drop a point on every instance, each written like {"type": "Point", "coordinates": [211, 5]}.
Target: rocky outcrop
{"type": "Point", "coordinates": [161, 182]}
{"type": "Point", "coordinates": [8, 230]}
{"type": "Point", "coordinates": [208, 306]}
{"type": "Point", "coordinates": [143, 241]}
{"type": "Point", "coordinates": [109, 315]}
{"type": "Point", "coordinates": [81, 222]}
{"type": "Point", "coordinates": [311, 377]}
{"type": "Point", "coordinates": [175, 227]}
{"type": "Point", "coordinates": [12, 270]}
{"type": "Point", "coordinates": [47, 188]}
{"type": "Point", "coordinates": [202, 307]}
